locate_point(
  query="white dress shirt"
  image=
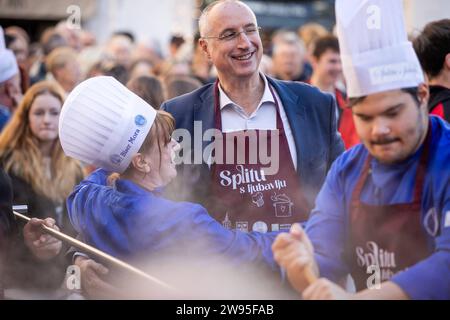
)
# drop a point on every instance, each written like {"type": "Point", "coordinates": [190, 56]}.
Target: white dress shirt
{"type": "Point", "coordinates": [234, 118]}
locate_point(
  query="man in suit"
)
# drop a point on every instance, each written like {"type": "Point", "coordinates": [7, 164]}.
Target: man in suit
{"type": "Point", "coordinates": [246, 104]}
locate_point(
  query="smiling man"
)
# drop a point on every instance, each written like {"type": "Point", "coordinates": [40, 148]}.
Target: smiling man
{"type": "Point", "coordinates": [246, 103]}
{"type": "Point", "coordinates": [383, 214]}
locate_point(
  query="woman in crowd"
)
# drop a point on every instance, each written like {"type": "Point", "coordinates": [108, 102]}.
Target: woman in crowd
{"type": "Point", "coordinates": [42, 177]}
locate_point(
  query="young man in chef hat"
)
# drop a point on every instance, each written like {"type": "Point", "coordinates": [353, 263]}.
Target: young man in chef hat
{"type": "Point", "coordinates": [383, 214]}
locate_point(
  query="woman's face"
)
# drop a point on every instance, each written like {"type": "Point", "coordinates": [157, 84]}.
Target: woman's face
{"type": "Point", "coordinates": [162, 168]}
{"type": "Point", "coordinates": [44, 117]}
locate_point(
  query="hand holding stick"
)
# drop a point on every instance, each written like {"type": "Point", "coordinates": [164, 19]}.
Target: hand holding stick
{"type": "Point", "coordinates": [99, 254]}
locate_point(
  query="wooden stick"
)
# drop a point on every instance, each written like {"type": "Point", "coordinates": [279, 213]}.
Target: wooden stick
{"type": "Point", "coordinates": [98, 253]}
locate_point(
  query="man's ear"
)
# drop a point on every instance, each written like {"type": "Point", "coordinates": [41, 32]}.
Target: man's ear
{"type": "Point", "coordinates": [447, 62]}
{"type": "Point", "coordinates": [423, 92]}
{"type": "Point", "coordinates": [204, 45]}
{"type": "Point", "coordinates": [140, 164]}
{"type": "Point", "coordinates": [314, 61]}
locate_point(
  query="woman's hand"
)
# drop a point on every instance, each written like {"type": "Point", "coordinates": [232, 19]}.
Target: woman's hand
{"type": "Point", "coordinates": [42, 245]}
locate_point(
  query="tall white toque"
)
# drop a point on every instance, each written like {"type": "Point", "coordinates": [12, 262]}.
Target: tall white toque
{"type": "Point", "coordinates": [375, 51]}
{"type": "Point", "coordinates": [104, 124]}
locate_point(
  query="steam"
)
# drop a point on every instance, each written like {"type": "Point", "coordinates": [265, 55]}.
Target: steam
{"type": "Point", "coordinates": [212, 278]}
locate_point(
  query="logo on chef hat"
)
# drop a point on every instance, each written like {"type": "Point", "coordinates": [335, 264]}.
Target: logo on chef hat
{"type": "Point", "coordinates": [115, 158]}
{"type": "Point", "coordinates": [140, 120]}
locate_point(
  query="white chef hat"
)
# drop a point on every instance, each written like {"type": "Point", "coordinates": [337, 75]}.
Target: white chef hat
{"type": "Point", "coordinates": [104, 124]}
{"type": "Point", "coordinates": [8, 62]}
{"type": "Point", "coordinates": [375, 51]}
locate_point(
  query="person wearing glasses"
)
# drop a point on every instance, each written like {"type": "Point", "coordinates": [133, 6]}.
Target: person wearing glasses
{"type": "Point", "coordinates": [251, 115]}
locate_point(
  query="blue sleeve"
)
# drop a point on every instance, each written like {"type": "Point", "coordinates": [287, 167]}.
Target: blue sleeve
{"type": "Point", "coordinates": [239, 247]}
{"type": "Point", "coordinates": [326, 227]}
{"type": "Point", "coordinates": [154, 225]}
{"type": "Point", "coordinates": [430, 278]}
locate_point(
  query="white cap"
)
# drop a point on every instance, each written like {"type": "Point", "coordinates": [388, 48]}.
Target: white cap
{"type": "Point", "coordinates": [8, 62]}
{"type": "Point", "coordinates": [375, 51]}
{"type": "Point", "coordinates": [104, 124]}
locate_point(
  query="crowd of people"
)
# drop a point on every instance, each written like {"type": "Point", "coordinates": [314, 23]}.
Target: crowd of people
{"type": "Point", "coordinates": [355, 123]}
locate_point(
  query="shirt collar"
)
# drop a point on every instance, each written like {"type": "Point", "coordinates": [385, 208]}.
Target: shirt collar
{"type": "Point", "coordinates": [267, 96]}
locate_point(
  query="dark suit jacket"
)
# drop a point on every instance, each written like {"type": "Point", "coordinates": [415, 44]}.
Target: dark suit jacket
{"type": "Point", "coordinates": [312, 118]}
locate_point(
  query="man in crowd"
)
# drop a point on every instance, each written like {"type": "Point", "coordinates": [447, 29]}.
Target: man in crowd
{"type": "Point", "coordinates": [327, 70]}
{"type": "Point", "coordinates": [433, 49]}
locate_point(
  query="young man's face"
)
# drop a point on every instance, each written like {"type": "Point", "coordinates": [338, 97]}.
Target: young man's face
{"type": "Point", "coordinates": [328, 66]}
{"type": "Point", "coordinates": [391, 125]}
{"type": "Point", "coordinates": [233, 57]}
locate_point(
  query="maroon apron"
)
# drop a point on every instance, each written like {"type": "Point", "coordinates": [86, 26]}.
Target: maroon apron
{"type": "Point", "coordinates": [389, 237]}
{"type": "Point", "coordinates": [244, 196]}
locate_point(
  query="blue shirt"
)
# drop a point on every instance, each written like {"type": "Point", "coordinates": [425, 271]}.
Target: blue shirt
{"type": "Point", "coordinates": [129, 222]}
{"type": "Point", "coordinates": [328, 227]}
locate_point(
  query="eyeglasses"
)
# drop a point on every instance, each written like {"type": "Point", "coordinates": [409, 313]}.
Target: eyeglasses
{"type": "Point", "coordinates": [231, 35]}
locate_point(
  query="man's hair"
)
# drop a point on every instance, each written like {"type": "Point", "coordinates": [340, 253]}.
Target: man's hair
{"type": "Point", "coordinates": [59, 57]}
{"type": "Point", "coordinates": [202, 21]}
{"type": "Point", "coordinates": [325, 43]}
{"type": "Point", "coordinates": [177, 40]}
{"type": "Point", "coordinates": [125, 33]}
{"type": "Point", "coordinates": [432, 46]}
{"type": "Point", "coordinates": [284, 37]}
{"type": "Point", "coordinates": [413, 91]}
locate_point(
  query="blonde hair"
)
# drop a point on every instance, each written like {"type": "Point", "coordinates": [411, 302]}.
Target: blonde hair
{"type": "Point", "coordinates": [59, 57]}
{"type": "Point", "coordinates": [20, 154]}
{"type": "Point", "coordinates": [310, 32]}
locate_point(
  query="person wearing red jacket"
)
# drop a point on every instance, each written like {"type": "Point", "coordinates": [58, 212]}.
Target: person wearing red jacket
{"type": "Point", "coordinates": [326, 62]}
{"type": "Point", "coordinates": [433, 49]}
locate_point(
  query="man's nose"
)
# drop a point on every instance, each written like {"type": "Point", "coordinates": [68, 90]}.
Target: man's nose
{"type": "Point", "coordinates": [380, 128]}
{"type": "Point", "coordinates": [243, 40]}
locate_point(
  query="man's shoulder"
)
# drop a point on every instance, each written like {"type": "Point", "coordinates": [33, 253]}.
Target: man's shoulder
{"type": "Point", "coordinates": [186, 100]}
{"type": "Point", "coordinates": [306, 91]}
{"type": "Point", "coordinates": [350, 159]}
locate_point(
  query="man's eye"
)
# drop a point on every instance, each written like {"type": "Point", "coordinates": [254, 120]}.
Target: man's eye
{"type": "Point", "coordinates": [228, 35]}
{"type": "Point", "coordinates": [364, 118]}
{"type": "Point", "coordinates": [391, 114]}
